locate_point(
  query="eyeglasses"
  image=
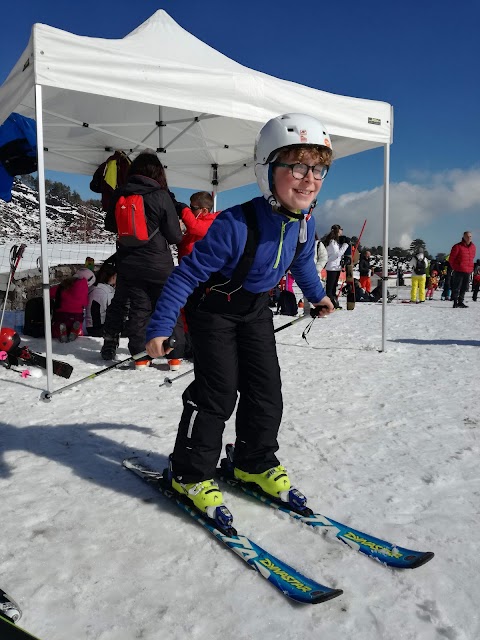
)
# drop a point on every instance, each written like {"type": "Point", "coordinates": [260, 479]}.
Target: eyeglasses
{"type": "Point", "coordinates": [195, 208]}
{"type": "Point", "coordinates": [300, 170]}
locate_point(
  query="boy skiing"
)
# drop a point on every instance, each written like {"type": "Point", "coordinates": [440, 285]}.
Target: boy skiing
{"type": "Point", "coordinates": [226, 280]}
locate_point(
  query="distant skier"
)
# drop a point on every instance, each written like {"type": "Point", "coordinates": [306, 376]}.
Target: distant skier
{"type": "Point", "coordinates": [461, 260]}
{"type": "Point", "coordinates": [337, 245]}
{"type": "Point", "coordinates": [419, 277]}
{"type": "Point", "coordinates": [476, 281]}
{"type": "Point", "coordinates": [226, 279]}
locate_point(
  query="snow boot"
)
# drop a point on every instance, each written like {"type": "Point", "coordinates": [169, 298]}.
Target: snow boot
{"type": "Point", "coordinates": [207, 498]}
{"type": "Point", "coordinates": [109, 348]}
{"type": "Point", "coordinates": [174, 364]}
{"type": "Point", "coordinates": [144, 363]}
{"type": "Point", "coordinates": [275, 483]}
{"type": "Point", "coordinates": [62, 328]}
{"type": "Point", "coordinates": [75, 332]}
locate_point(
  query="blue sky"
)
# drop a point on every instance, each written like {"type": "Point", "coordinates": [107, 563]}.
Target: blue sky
{"type": "Point", "coordinates": [420, 57]}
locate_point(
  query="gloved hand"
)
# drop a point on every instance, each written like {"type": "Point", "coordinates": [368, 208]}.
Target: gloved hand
{"type": "Point", "coordinates": [182, 206]}
{"type": "Point", "coordinates": [343, 240]}
{"type": "Point", "coordinates": [316, 311]}
{"type": "Point", "coordinates": [179, 207]}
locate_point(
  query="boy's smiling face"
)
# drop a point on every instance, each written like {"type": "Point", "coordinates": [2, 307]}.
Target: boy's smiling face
{"type": "Point", "coordinates": [292, 193]}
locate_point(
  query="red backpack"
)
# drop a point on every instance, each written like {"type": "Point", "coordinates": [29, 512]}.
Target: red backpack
{"type": "Point", "coordinates": [131, 221]}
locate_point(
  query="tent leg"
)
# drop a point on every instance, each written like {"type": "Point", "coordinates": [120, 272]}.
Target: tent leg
{"type": "Point", "coordinates": [43, 235]}
{"type": "Point", "coordinates": [386, 199]}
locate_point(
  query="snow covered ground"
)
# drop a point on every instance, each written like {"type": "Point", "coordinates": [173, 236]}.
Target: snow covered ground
{"type": "Point", "coordinates": [386, 442]}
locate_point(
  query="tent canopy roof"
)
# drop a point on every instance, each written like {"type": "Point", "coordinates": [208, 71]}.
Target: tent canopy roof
{"type": "Point", "coordinates": [161, 87]}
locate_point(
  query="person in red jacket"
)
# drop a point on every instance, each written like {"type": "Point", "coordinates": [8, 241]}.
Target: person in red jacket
{"type": "Point", "coordinates": [197, 219]}
{"type": "Point", "coordinates": [461, 260]}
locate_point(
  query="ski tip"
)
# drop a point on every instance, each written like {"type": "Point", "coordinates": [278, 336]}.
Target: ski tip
{"type": "Point", "coordinates": [130, 462]}
{"type": "Point", "coordinates": [421, 560]}
{"type": "Point", "coordinates": [322, 596]}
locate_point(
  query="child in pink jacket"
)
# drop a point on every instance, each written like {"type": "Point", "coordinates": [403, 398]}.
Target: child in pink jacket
{"type": "Point", "coordinates": [70, 299]}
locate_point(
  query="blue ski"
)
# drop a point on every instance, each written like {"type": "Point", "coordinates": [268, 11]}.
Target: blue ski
{"type": "Point", "coordinates": [386, 552]}
{"type": "Point", "coordinates": [290, 582]}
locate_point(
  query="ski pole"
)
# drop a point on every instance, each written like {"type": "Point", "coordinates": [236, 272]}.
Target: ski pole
{"type": "Point", "coordinates": [46, 396]}
{"type": "Point", "coordinates": [167, 381]}
{"type": "Point", "coordinates": [358, 242]}
{"type": "Point", "coordinates": [16, 254]}
{"type": "Point", "coordinates": [289, 324]}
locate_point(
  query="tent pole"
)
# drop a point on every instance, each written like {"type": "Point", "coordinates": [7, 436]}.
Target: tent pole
{"type": "Point", "coordinates": [214, 185]}
{"type": "Point", "coordinates": [160, 128]}
{"type": "Point", "coordinates": [43, 234]}
{"type": "Point", "coordinates": [386, 199]}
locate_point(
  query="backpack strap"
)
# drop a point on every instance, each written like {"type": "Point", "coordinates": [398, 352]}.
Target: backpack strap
{"type": "Point", "coordinates": [253, 238]}
{"type": "Point", "coordinates": [251, 244]}
{"type": "Point", "coordinates": [218, 282]}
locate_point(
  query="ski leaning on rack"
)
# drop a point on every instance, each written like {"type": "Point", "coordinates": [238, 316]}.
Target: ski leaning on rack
{"type": "Point", "coordinates": [287, 580]}
{"type": "Point", "coordinates": [386, 552]}
{"type": "Point", "coordinates": [9, 613]}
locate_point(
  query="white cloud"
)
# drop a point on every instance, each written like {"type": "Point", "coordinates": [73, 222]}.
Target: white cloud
{"type": "Point", "coordinates": [412, 206]}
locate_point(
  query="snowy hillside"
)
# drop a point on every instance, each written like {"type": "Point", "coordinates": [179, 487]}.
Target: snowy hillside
{"type": "Point", "coordinates": [388, 443]}
{"type": "Point", "coordinates": [65, 222]}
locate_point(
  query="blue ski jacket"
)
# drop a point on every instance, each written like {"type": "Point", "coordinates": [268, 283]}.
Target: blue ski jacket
{"type": "Point", "coordinates": [221, 249]}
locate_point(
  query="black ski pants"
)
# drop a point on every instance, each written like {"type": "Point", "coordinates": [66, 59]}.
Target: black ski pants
{"type": "Point", "coordinates": [460, 282]}
{"type": "Point", "coordinates": [234, 355]}
{"type": "Point", "coordinates": [475, 289]}
{"type": "Point", "coordinates": [331, 286]}
{"type": "Point", "coordinates": [142, 295]}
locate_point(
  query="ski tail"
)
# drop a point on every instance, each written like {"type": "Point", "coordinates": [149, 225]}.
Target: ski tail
{"type": "Point", "coordinates": [286, 579]}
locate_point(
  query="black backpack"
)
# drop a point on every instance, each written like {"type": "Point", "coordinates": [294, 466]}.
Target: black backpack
{"type": "Point", "coordinates": [287, 304]}
{"type": "Point", "coordinates": [34, 324]}
{"type": "Point", "coordinates": [420, 267]}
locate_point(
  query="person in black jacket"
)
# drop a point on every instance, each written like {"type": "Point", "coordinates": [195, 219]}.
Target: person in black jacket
{"type": "Point", "coordinates": [364, 268]}
{"type": "Point", "coordinates": [142, 270]}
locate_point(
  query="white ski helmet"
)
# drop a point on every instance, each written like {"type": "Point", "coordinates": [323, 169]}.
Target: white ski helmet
{"type": "Point", "coordinates": [88, 275]}
{"type": "Point", "coordinates": [288, 130]}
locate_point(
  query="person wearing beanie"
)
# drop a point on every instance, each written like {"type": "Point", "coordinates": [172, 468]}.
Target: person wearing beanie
{"type": "Point", "coordinates": [419, 277]}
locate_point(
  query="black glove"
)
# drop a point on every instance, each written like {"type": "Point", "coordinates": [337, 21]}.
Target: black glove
{"type": "Point", "coordinates": [315, 311]}
{"type": "Point", "coordinates": [343, 240]}
{"type": "Point", "coordinates": [179, 207]}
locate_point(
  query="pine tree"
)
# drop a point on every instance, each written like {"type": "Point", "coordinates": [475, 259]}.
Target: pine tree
{"type": "Point", "coordinates": [417, 246]}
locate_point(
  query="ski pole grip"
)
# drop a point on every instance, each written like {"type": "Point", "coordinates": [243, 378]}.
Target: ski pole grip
{"type": "Point", "coordinates": [169, 343]}
{"type": "Point", "coordinates": [315, 311]}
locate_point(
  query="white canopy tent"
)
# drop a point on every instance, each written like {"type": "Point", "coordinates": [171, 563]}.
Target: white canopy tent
{"type": "Point", "coordinates": [160, 87]}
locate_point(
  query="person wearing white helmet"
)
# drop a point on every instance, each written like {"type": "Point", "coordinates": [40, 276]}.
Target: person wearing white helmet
{"type": "Point", "coordinates": [226, 280]}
